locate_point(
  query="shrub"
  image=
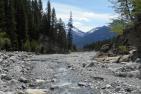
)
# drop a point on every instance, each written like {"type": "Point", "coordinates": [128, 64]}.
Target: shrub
{"type": "Point", "coordinates": [123, 49]}
{"type": "Point", "coordinates": [35, 46]}
{"type": "Point", "coordinates": [4, 41]}
{"type": "Point", "coordinates": [27, 45]}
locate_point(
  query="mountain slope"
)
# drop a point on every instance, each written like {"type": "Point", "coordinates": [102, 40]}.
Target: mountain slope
{"type": "Point", "coordinates": [81, 39]}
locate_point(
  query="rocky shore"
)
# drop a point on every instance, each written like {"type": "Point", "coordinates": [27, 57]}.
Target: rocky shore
{"type": "Point", "coordinates": [75, 73]}
{"type": "Point", "coordinates": [14, 71]}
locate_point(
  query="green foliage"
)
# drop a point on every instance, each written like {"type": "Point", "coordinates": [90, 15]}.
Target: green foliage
{"type": "Point", "coordinates": [69, 36]}
{"type": "Point", "coordinates": [24, 26]}
{"type": "Point", "coordinates": [118, 26]}
{"type": "Point", "coordinates": [27, 45]}
{"type": "Point", "coordinates": [4, 41]}
{"type": "Point", "coordinates": [137, 7]}
{"type": "Point", "coordinates": [34, 46]}
{"type": "Point", "coordinates": [123, 8]}
{"type": "Point", "coordinates": [123, 49]}
{"type": "Point", "coordinates": [98, 45]}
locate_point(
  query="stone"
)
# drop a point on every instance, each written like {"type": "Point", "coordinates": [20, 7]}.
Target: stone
{"type": "Point", "coordinates": [35, 91]}
{"type": "Point", "coordinates": [117, 89]}
{"type": "Point", "coordinates": [6, 77]}
{"type": "Point", "coordinates": [82, 84]}
{"type": "Point", "coordinates": [138, 60]}
{"type": "Point", "coordinates": [23, 86]}
{"type": "Point", "coordinates": [99, 55]}
{"type": "Point", "coordinates": [121, 74]}
{"type": "Point", "coordinates": [40, 81]}
{"type": "Point", "coordinates": [105, 48]}
{"type": "Point", "coordinates": [1, 92]}
{"type": "Point", "coordinates": [69, 66]}
{"type": "Point", "coordinates": [112, 59]}
{"type": "Point", "coordinates": [108, 86]}
{"type": "Point", "coordinates": [135, 74]}
{"type": "Point", "coordinates": [91, 64]}
{"type": "Point", "coordinates": [1, 60]}
{"type": "Point", "coordinates": [125, 58]}
{"type": "Point", "coordinates": [84, 65]}
{"type": "Point", "coordinates": [0, 69]}
{"type": "Point", "coordinates": [23, 80]}
{"type": "Point", "coordinates": [53, 87]}
{"type": "Point", "coordinates": [20, 92]}
{"type": "Point", "coordinates": [98, 78]}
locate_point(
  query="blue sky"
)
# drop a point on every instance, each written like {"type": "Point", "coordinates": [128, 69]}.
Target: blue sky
{"type": "Point", "coordinates": [87, 14]}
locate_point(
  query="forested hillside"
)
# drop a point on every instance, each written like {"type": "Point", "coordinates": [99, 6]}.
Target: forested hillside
{"type": "Point", "coordinates": [24, 26]}
{"type": "Point", "coordinates": [127, 26]}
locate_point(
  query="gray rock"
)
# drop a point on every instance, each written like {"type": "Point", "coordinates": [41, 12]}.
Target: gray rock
{"type": "Point", "coordinates": [98, 78]}
{"type": "Point", "coordinates": [121, 74]}
{"type": "Point", "coordinates": [23, 80]}
{"type": "Point", "coordinates": [1, 60]}
{"type": "Point", "coordinates": [138, 60]}
{"type": "Point", "coordinates": [83, 84]}
{"type": "Point", "coordinates": [6, 77]}
{"type": "Point", "coordinates": [53, 87]}
{"type": "Point", "coordinates": [108, 86]}
{"type": "Point", "coordinates": [1, 92]}
{"type": "Point", "coordinates": [140, 71]}
{"type": "Point", "coordinates": [92, 64]}
{"type": "Point", "coordinates": [105, 48]}
{"type": "Point", "coordinates": [125, 58]}
{"type": "Point", "coordinates": [84, 65]}
{"type": "Point", "coordinates": [20, 92]}
{"type": "Point", "coordinates": [0, 69]}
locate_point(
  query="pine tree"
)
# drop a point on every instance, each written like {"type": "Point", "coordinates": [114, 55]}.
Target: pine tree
{"type": "Point", "coordinates": [2, 16]}
{"type": "Point", "coordinates": [11, 25]}
{"type": "Point", "coordinates": [70, 38]}
{"type": "Point", "coordinates": [40, 5]}
{"type": "Point", "coordinates": [53, 25]}
{"type": "Point", "coordinates": [22, 22]}
{"type": "Point", "coordinates": [48, 18]}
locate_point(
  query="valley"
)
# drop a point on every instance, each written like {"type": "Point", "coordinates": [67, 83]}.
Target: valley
{"type": "Point", "coordinates": [75, 73]}
{"type": "Point", "coordinates": [81, 39]}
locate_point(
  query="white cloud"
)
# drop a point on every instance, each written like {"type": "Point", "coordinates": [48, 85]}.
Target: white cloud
{"type": "Point", "coordinates": [82, 26]}
{"type": "Point", "coordinates": [83, 19]}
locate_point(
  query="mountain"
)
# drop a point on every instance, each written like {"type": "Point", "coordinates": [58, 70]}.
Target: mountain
{"type": "Point", "coordinates": [77, 35]}
{"type": "Point", "coordinates": [81, 38]}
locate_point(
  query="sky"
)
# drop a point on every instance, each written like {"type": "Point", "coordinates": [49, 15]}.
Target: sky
{"type": "Point", "coordinates": [87, 14]}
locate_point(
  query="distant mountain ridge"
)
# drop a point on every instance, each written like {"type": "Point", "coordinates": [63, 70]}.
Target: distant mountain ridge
{"type": "Point", "coordinates": [81, 38]}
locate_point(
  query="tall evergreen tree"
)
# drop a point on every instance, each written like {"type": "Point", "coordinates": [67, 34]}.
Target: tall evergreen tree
{"type": "Point", "coordinates": [11, 25]}
{"type": "Point", "coordinates": [49, 18]}
{"type": "Point", "coordinates": [24, 23]}
{"type": "Point", "coordinates": [70, 38]}
{"type": "Point", "coordinates": [53, 25]}
{"type": "Point", "coordinates": [2, 16]}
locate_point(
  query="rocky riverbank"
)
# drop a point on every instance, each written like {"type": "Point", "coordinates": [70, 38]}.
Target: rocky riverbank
{"type": "Point", "coordinates": [75, 73]}
{"type": "Point", "coordinates": [14, 71]}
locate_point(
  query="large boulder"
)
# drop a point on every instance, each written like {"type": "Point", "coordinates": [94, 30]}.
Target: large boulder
{"type": "Point", "coordinates": [35, 91]}
{"type": "Point", "coordinates": [105, 48]}
{"type": "Point", "coordinates": [23, 80]}
{"type": "Point", "coordinates": [6, 77]}
{"type": "Point", "coordinates": [109, 59]}
{"type": "Point", "coordinates": [125, 58]}
{"type": "Point", "coordinates": [140, 71]}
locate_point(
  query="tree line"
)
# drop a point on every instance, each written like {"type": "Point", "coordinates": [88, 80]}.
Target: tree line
{"type": "Point", "coordinates": [128, 24]}
{"type": "Point", "coordinates": [24, 26]}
